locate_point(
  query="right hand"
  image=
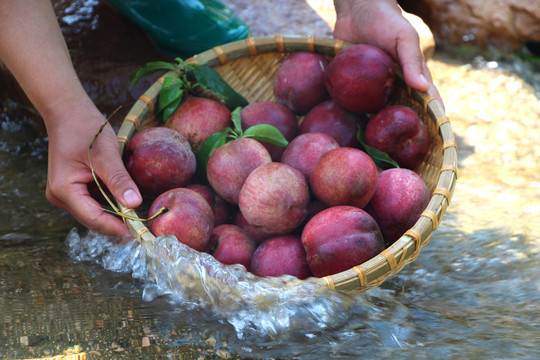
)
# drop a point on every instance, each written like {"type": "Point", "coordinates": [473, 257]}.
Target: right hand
{"type": "Point", "coordinates": [381, 23]}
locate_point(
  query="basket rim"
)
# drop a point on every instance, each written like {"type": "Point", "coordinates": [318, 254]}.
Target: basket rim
{"type": "Point", "coordinates": [392, 259]}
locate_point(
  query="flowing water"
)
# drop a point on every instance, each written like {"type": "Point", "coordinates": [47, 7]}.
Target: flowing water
{"type": "Point", "coordinates": [472, 293]}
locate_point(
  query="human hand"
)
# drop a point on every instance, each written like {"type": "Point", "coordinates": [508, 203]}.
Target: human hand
{"type": "Point", "coordinates": [382, 24]}
{"type": "Point", "coordinates": [35, 52]}
{"type": "Point", "coordinates": [69, 172]}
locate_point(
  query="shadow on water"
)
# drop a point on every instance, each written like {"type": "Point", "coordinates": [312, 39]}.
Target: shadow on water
{"type": "Point", "coordinates": [473, 292]}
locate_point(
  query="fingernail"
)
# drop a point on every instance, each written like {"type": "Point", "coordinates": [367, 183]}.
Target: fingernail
{"type": "Point", "coordinates": [131, 197]}
{"type": "Point", "coordinates": [423, 79]}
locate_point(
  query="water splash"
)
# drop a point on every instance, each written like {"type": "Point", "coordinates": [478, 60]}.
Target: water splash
{"type": "Point", "coordinates": [274, 306]}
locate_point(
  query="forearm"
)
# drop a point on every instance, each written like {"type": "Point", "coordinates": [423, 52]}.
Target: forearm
{"type": "Point", "coordinates": [34, 50]}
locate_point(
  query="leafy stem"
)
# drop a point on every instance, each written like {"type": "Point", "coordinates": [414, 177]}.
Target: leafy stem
{"type": "Point", "coordinates": [190, 79]}
{"type": "Point", "coordinates": [262, 132]}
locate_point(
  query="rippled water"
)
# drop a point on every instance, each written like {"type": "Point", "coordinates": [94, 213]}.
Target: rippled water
{"type": "Point", "coordinates": [472, 294]}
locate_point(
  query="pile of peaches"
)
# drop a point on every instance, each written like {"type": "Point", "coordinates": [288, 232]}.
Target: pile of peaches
{"type": "Point", "coordinates": [313, 205]}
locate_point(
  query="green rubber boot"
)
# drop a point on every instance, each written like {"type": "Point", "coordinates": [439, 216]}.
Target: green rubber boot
{"type": "Point", "coordinates": [183, 28]}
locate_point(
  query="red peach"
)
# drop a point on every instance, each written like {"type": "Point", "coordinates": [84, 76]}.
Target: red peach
{"type": "Point", "coordinates": [344, 176]}
{"type": "Point", "coordinates": [188, 217]}
{"type": "Point", "coordinates": [305, 150]}
{"type": "Point", "coordinates": [282, 255]}
{"type": "Point", "coordinates": [340, 237]}
{"type": "Point", "coordinates": [274, 198]}
{"type": "Point", "coordinates": [229, 165]}
{"type": "Point", "coordinates": [229, 244]}
{"type": "Point", "coordinates": [274, 114]}
{"type": "Point", "coordinates": [400, 198]}
{"type": "Point", "coordinates": [398, 131]}
{"type": "Point", "coordinates": [299, 83]}
{"type": "Point", "coordinates": [360, 78]}
{"type": "Point", "coordinates": [333, 119]}
{"type": "Point", "coordinates": [196, 118]}
{"type": "Point", "coordinates": [159, 159]}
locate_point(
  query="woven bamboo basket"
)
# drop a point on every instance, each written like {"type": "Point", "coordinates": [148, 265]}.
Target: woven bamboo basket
{"type": "Point", "coordinates": [249, 66]}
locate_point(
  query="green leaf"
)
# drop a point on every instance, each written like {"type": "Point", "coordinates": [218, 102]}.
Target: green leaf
{"type": "Point", "coordinates": [151, 68]}
{"type": "Point", "coordinates": [266, 133]}
{"type": "Point", "coordinates": [212, 143]}
{"type": "Point", "coordinates": [170, 92]}
{"type": "Point", "coordinates": [167, 112]}
{"type": "Point", "coordinates": [237, 120]}
{"type": "Point", "coordinates": [381, 159]}
{"type": "Point", "coordinates": [210, 79]}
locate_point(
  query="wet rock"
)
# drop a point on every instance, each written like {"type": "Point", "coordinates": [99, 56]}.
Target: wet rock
{"type": "Point", "coordinates": [505, 24]}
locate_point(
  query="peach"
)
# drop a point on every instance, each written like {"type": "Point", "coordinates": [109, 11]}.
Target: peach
{"type": "Point", "coordinates": [188, 217]}
{"type": "Point", "coordinates": [340, 237]}
{"type": "Point", "coordinates": [344, 176]}
{"type": "Point", "coordinates": [159, 159]}
{"type": "Point", "coordinates": [274, 198]}
{"type": "Point", "coordinates": [258, 235]}
{"type": "Point", "coordinates": [229, 165]}
{"type": "Point", "coordinates": [305, 150]}
{"type": "Point", "coordinates": [400, 198]}
{"type": "Point", "coordinates": [333, 119]}
{"type": "Point", "coordinates": [196, 118]}
{"type": "Point", "coordinates": [398, 131]}
{"type": "Point", "coordinates": [272, 113]}
{"type": "Point", "coordinates": [229, 244]}
{"type": "Point", "coordinates": [219, 206]}
{"type": "Point", "coordinates": [299, 83]}
{"type": "Point", "coordinates": [281, 255]}
{"type": "Point", "coordinates": [360, 78]}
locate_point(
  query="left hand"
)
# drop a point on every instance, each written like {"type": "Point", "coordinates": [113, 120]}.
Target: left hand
{"type": "Point", "coordinates": [69, 174]}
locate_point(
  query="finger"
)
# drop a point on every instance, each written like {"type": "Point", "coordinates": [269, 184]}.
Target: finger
{"type": "Point", "coordinates": [90, 214]}
{"type": "Point", "coordinates": [116, 178]}
{"type": "Point", "coordinates": [413, 64]}
{"type": "Point", "coordinates": [433, 89]}
{"type": "Point", "coordinates": [110, 168]}
{"type": "Point", "coordinates": [87, 211]}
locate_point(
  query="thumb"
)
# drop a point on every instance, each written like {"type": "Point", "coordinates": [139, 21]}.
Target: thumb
{"type": "Point", "coordinates": [110, 168]}
{"type": "Point", "coordinates": [120, 184]}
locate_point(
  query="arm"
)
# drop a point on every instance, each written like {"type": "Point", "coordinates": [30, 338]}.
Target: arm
{"type": "Point", "coordinates": [34, 50]}
{"type": "Point", "coordinates": [381, 23]}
